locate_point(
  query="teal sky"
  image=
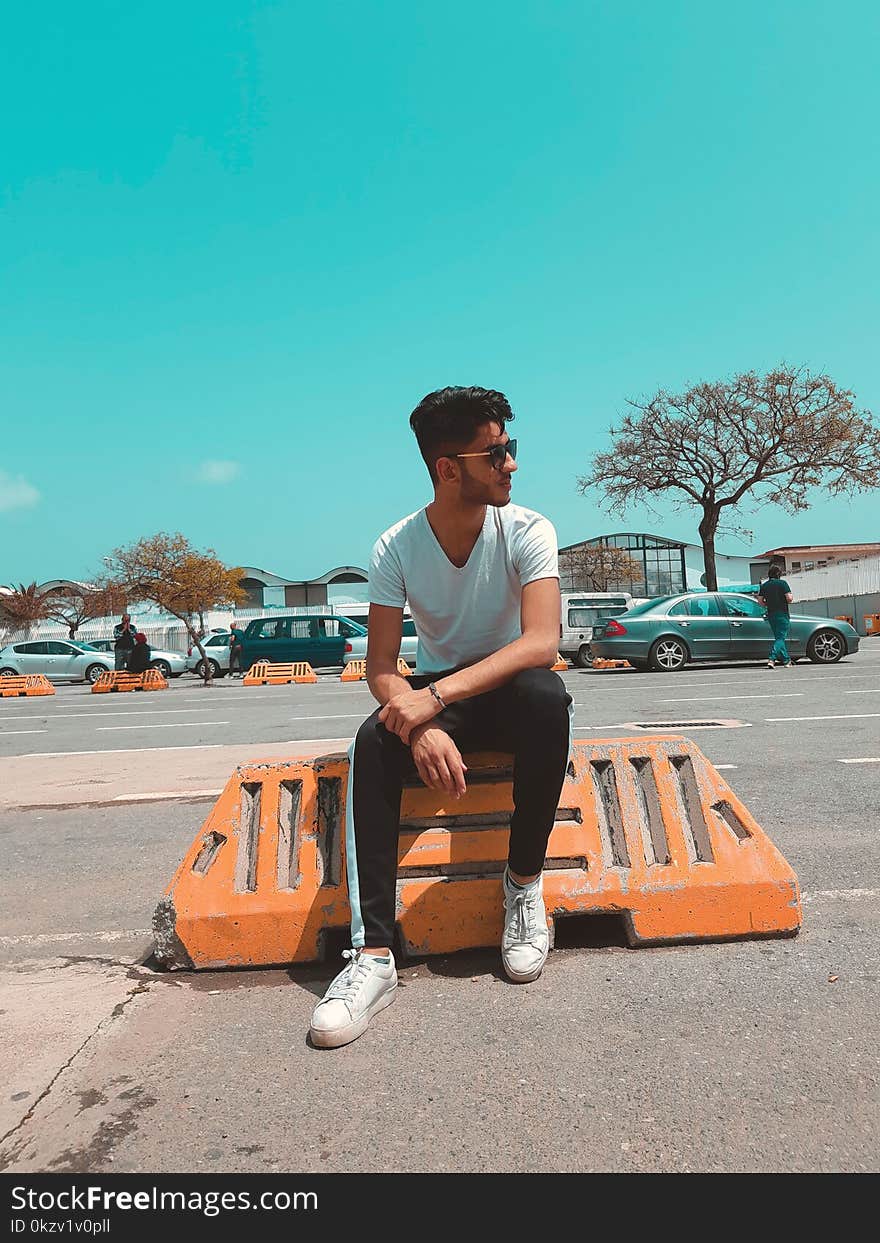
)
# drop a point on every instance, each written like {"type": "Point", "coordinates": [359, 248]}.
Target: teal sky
{"type": "Point", "coordinates": [239, 241]}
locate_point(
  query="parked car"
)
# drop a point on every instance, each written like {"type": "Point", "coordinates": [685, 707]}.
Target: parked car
{"type": "Point", "coordinates": [669, 632]}
{"type": "Point", "coordinates": [319, 639]}
{"type": "Point", "coordinates": [356, 645]}
{"type": "Point", "coordinates": [169, 664]}
{"type": "Point", "coordinates": [217, 651]}
{"type": "Point", "coordinates": [579, 610]}
{"type": "Point", "coordinates": [59, 660]}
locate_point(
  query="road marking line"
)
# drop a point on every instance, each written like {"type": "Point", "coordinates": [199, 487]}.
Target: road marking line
{"type": "Point", "coordinates": [840, 893]}
{"type": "Point", "coordinates": [165, 725]}
{"type": "Point", "coordinates": [714, 698]}
{"type": "Point", "coordinates": [136, 798]}
{"type": "Point", "coordinates": [41, 755]}
{"type": "Point", "coordinates": [98, 711]}
{"type": "Point", "coordinates": [873, 759]}
{"type": "Point", "coordinates": [843, 716]}
{"type": "Point", "coordinates": [335, 716]}
{"type": "Point", "coordinates": [7, 733]}
{"type": "Point", "coordinates": [868, 690]}
{"type": "Point", "coordinates": [53, 938]}
{"type": "Point", "coordinates": [725, 766]}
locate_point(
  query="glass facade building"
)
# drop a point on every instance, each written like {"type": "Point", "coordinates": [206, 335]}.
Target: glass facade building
{"type": "Point", "coordinates": [659, 564]}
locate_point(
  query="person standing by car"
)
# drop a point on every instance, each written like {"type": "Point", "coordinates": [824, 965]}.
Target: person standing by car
{"type": "Point", "coordinates": [482, 580]}
{"type": "Point", "coordinates": [123, 641]}
{"type": "Point", "coordinates": [236, 641]}
{"type": "Point", "coordinates": [775, 595]}
{"type": "Point", "coordinates": [139, 655]}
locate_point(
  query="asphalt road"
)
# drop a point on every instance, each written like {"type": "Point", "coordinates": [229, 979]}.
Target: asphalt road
{"type": "Point", "coordinates": [752, 1055]}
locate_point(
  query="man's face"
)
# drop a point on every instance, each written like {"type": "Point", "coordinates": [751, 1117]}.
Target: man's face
{"type": "Point", "coordinates": [481, 482]}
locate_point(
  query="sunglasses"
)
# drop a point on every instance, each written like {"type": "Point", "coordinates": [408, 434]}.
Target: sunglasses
{"type": "Point", "coordinates": [497, 455]}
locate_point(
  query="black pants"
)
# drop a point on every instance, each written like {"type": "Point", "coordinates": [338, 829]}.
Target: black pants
{"type": "Point", "coordinates": [528, 716]}
{"type": "Point", "coordinates": [234, 659]}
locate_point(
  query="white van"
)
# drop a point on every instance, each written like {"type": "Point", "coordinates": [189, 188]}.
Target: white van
{"type": "Point", "coordinates": [580, 609]}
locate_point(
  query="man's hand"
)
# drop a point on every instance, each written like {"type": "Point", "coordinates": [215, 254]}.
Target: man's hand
{"type": "Point", "coordinates": [438, 760]}
{"type": "Point", "coordinates": [404, 712]}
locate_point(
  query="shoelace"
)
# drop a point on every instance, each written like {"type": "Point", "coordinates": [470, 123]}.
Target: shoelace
{"type": "Point", "coordinates": [346, 985]}
{"type": "Point", "coordinates": [523, 907]}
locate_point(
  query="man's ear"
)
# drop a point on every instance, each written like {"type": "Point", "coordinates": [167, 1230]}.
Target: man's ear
{"type": "Point", "coordinates": [447, 470]}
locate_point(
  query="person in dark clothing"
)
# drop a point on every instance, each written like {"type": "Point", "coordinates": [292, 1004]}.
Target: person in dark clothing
{"type": "Point", "coordinates": [139, 655]}
{"type": "Point", "coordinates": [236, 640]}
{"type": "Point", "coordinates": [775, 595]}
{"type": "Point", "coordinates": [123, 641]}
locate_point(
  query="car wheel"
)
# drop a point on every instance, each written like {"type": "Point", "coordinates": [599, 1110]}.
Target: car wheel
{"type": "Point", "coordinates": [668, 655]}
{"type": "Point", "coordinates": [826, 647]}
{"type": "Point", "coordinates": [216, 671]}
{"type": "Point", "coordinates": [8, 673]}
{"type": "Point", "coordinates": [94, 672]}
{"type": "Point", "coordinates": [584, 657]}
{"type": "Point", "coordinates": [163, 667]}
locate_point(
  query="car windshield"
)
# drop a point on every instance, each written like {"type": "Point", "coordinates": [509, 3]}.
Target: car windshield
{"type": "Point", "coordinates": [648, 607]}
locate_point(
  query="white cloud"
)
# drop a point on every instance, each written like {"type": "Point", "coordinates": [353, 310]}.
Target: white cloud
{"type": "Point", "coordinates": [217, 472]}
{"type": "Point", "coordinates": [16, 493]}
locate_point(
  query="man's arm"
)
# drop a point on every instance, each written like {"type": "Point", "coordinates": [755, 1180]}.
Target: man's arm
{"type": "Point", "coordinates": [384, 632]}
{"type": "Point", "coordinates": [535, 649]}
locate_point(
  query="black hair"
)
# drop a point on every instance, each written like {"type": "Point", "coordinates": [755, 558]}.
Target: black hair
{"type": "Point", "coordinates": [775, 571]}
{"type": "Point", "coordinates": [448, 419]}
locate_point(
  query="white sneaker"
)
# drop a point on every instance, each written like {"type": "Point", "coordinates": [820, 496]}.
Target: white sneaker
{"type": "Point", "coordinates": [771, 664]}
{"type": "Point", "coordinates": [367, 985]}
{"type": "Point", "coordinates": [526, 939]}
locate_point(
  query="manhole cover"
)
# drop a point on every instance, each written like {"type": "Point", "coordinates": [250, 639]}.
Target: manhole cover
{"type": "Point", "coordinates": [663, 725]}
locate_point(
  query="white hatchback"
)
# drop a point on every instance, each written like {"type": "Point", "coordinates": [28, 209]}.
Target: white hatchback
{"type": "Point", "coordinates": [56, 659]}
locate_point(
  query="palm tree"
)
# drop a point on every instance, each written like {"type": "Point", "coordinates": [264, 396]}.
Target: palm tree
{"type": "Point", "coordinates": [20, 608]}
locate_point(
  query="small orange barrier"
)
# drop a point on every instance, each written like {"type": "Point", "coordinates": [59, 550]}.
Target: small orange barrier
{"type": "Point", "coordinates": [872, 623]}
{"type": "Point", "coordinates": [356, 670]}
{"type": "Point", "coordinates": [26, 684]}
{"type": "Point", "coordinates": [263, 673]}
{"type": "Point", "coordinates": [600, 662]}
{"type": "Point", "coordinates": [646, 827]}
{"type": "Point", "coordinates": [121, 680]}
{"type": "Point", "coordinates": [561, 663]}
{"type": "Point", "coordinates": [843, 617]}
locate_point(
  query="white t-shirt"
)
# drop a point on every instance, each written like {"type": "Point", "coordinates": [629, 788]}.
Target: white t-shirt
{"type": "Point", "coordinates": [463, 615]}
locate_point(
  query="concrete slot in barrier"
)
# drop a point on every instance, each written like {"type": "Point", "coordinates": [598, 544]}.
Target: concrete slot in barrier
{"type": "Point", "coordinates": [121, 680]}
{"type": "Point", "coordinates": [26, 684]}
{"type": "Point", "coordinates": [646, 828]}
{"type": "Point", "coordinates": [560, 664]}
{"type": "Point", "coordinates": [264, 673]}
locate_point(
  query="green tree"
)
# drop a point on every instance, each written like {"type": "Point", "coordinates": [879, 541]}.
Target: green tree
{"type": "Point", "coordinates": [167, 571]}
{"type": "Point", "coordinates": [748, 442]}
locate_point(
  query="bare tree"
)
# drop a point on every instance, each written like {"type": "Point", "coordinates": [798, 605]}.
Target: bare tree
{"type": "Point", "coordinates": [600, 567]}
{"type": "Point", "coordinates": [748, 442]}
{"type": "Point", "coordinates": [169, 572]}
{"type": "Point", "coordinates": [75, 603]}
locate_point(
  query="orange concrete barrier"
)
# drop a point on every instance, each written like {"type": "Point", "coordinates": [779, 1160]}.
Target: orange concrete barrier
{"type": "Point", "coordinates": [121, 680]}
{"type": "Point", "coordinates": [872, 623]}
{"type": "Point", "coordinates": [263, 673]}
{"type": "Point", "coordinates": [843, 617]}
{"type": "Point", "coordinates": [356, 670]}
{"type": "Point", "coordinates": [600, 662]}
{"type": "Point", "coordinates": [27, 684]}
{"type": "Point", "coordinates": [646, 827]}
{"type": "Point", "coordinates": [561, 663]}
